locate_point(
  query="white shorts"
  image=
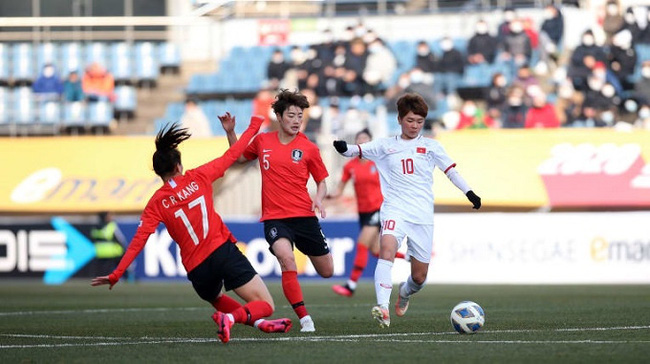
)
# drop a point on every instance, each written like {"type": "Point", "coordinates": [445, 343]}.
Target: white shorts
{"type": "Point", "coordinates": [418, 237]}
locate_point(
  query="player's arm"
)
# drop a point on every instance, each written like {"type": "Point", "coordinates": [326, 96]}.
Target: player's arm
{"type": "Point", "coordinates": [148, 226]}
{"type": "Point", "coordinates": [462, 185]}
{"type": "Point", "coordinates": [345, 149]}
{"type": "Point", "coordinates": [321, 192]}
{"type": "Point", "coordinates": [228, 125]}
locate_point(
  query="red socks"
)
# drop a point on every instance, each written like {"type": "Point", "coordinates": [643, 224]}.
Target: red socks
{"type": "Point", "coordinates": [360, 262]}
{"type": "Point", "coordinates": [226, 304]}
{"type": "Point", "coordinates": [251, 312]}
{"type": "Point", "coordinates": [293, 292]}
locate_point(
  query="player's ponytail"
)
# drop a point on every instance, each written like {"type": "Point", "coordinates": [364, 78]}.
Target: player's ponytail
{"type": "Point", "coordinates": [167, 156]}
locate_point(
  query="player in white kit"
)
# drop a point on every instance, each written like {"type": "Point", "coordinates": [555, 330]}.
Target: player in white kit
{"type": "Point", "coordinates": [405, 164]}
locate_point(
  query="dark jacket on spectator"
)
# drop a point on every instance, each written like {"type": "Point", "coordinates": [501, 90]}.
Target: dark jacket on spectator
{"type": "Point", "coordinates": [495, 97]}
{"type": "Point", "coordinates": [625, 58]}
{"type": "Point", "coordinates": [276, 70]}
{"type": "Point", "coordinates": [596, 100]}
{"type": "Point", "coordinates": [517, 44]}
{"type": "Point", "coordinates": [428, 63]}
{"type": "Point", "coordinates": [484, 44]}
{"type": "Point", "coordinates": [644, 36]}
{"type": "Point", "coordinates": [514, 116]}
{"type": "Point", "coordinates": [554, 27]}
{"type": "Point", "coordinates": [452, 62]}
{"type": "Point", "coordinates": [577, 67]}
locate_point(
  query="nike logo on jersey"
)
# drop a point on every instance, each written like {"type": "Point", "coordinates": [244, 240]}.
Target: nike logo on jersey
{"type": "Point", "coordinates": [266, 150]}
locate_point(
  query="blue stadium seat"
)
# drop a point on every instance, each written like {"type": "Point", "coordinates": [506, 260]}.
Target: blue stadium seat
{"type": "Point", "coordinates": [100, 113]}
{"type": "Point", "coordinates": [71, 53]}
{"type": "Point", "coordinates": [23, 105]}
{"type": "Point", "coordinates": [49, 113]}
{"type": "Point", "coordinates": [47, 53]}
{"type": "Point", "coordinates": [125, 98]}
{"type": "Point", "coordinates": [5, 116]}
{"type": "Point", "coordinates": [74, 114]}
{"type": "Point", "coordinates": [174, 111]}
{"type": "Point", "coordinates": [23, 64]}
{"type": "Point", "coordinates": [146, 62]}
{"type": "Point", "coordinates": [121, 61]}
{"type": "Point", "coordinates": [169, 55]}
{"type": "Point", "coordinates": [4, 62]}
{"type": "Point", "coordinates": [96, 52]}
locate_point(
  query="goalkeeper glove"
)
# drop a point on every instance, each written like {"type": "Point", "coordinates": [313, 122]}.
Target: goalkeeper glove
{"type": "Point", "coordinates": [475, 200]}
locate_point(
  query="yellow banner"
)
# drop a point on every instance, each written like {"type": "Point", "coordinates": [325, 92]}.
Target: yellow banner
{"type": "Point", "coordinates": [87, 174]}
{"type": "Point", "coordinates": [549, 167]}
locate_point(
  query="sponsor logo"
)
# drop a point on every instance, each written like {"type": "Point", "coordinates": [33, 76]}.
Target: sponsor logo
{"type": "Point", "coordinates": [296, 155]}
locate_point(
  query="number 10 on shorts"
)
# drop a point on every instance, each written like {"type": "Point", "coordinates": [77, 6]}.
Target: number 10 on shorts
{"type": "Point", "coordinates": [388, 225]}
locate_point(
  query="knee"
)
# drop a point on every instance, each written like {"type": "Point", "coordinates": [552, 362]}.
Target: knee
{"type": "Point", "coordinates": [327, 272]}
{"type": "Point", "coordinates": [419, 278]}
{"type": "Point", "coordinates": [287, 261]}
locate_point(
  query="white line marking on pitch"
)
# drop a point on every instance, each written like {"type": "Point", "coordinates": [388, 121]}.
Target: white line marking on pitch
{"type": "Point", "coordinates": [338, 338]}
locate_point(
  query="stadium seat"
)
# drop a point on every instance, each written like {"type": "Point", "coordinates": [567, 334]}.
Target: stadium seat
{"type": "Point", "coordinates": [121, 64]}
{"type": "Point", "coordinates": [100, 114]}
{"type": "Point", "coordinates": [5, 116]}
{"type": "Point", "coordinates": [49, 112]}
{"type": "Point", "coordinates": [4, 62]}
{"type": "Point", "coordinates": [125, 99]}
{"type": "Point", "coordinates": [96, 52]}
{"type": "Point", "coordinates": [23, 105]}
{"type": "Point", "coordinates": [146, 62]}
{"type": "Point", "coordinates": [71, 53]}
{"type": "Point", "coordinates": [47, 53]}
{"type": "Point", "coordinates": [23, 64]}
{"type": "Point", "coordinates": [74, 114]}
{"type": "Point", "coordinates": [169, 55]}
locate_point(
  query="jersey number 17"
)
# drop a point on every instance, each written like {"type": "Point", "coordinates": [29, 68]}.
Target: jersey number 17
{"type": "Point", "coordinates": [199, 201]}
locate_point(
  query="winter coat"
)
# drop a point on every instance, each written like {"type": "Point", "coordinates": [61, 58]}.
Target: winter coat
{"type": "Point", "coordinates": [484, 44]}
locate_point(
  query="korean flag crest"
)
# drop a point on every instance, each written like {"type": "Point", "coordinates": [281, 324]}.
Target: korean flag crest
{"type": "Point", "coordinates": [296, 155]}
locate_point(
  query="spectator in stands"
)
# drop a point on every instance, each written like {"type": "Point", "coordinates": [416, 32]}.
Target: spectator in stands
{"type": "Point", "coordinates": [509, 15]}
{"type": "Point", "coordinates": [355, 63]}
{"type": "Point", "coordinates": [425, 59]}
{"type": "Point", "coordinates": [604, 74]}
{"type": "Point", "coordinates": [482, 47]}
{"type": "Point", "coordinates": [495, 96]}
{"type": "Point", "coordinates": [195, 120]}
{"type": "Point", "coordinates": [531, 31]}
{"type": "Point", "coordinates": [583, 59]}
{"type": "Point", "coordinates": [613, 20]}
{"type": "Point", "coordinates": [642, 87]}
{"type": "Point", "coordinates": [295, 78]}
{"type": "Point", "coordinates": [394, 92]}
{"type": "Point", "coordinates": [598, 96]}
{"type": "Point", "coordinates": [525, 78]}
{"type": "Point", "coordinates": [48, 85]}
{"type": "Point", "coordinates": [380, 66]}
{"type": "Point", "coordinates": [451, 67]}
{"type": "Point", "coordinates": [262, 106]}
{"type": "Point", "coordinates": [98, 83]}
{"type": "Point", "coordinates": [516, 44]}
{"type": "Point", "coordinates": [514, 115]}
{"type": "Point", "coordinates": [276, 68]}
{"type": "Point", "coordinates": [551, 34]}
{"type": "Point", "coordinates": [542, 114]}
{"type": "Point", "coordinates": [313, 117]}
{"type": "Point", "coordinates": [72, 90]}
{"type": "Point", "coordinates": [568, 106]}
{"type": "Point", "coordinates": [472, 117]}
{"type": "Point", "coordinates": [643, 118]}
{"type": "Point", "coordinates": [644, 36]}
{"type": "Point", "coordinates": [630, 23]}
{"type": "Point", "coordinates": [325, 50]}
{"type": "Point", "coordinates": [622, 58]}
{"type": "Point", "coordinates": [590, 118]}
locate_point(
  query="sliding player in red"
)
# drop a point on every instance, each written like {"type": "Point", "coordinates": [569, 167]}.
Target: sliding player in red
{"type": "Point", "coordinates": [208, 251]}
{"type": "Point", "coordinates": [287, 159]}
{"type": "Point", "coordinates": [369, 198]}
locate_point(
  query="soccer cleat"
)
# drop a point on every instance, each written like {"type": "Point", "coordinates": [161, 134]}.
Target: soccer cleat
{"type": "Point", "coordinates": [307, 324]}
{"type": "Point", "coordinates": [402, 302]}
{"type": "Point", "coordinates": [223, 326]}
{"type": "Point", "coordinates": [278, 325]}
{"type": "Point", "coordinates": [381, 315]}
{"type": "Point", "coordinates": [342, 290]}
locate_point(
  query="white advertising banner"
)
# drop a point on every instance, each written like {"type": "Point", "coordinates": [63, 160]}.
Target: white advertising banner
{"type": "Point", "coordinates": [539, 248]}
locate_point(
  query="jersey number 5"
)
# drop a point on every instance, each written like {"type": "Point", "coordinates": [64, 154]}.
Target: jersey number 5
{"type": "Point", "coordinates": [407, 166]}
{"type": "Point", "coordinates": [200, 201]}
{"type": "Point", "coordinates": [265, 161]}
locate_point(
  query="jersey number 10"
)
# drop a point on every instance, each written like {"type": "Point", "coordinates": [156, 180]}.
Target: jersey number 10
{"type": "Point", "coordinates": [407, 166]}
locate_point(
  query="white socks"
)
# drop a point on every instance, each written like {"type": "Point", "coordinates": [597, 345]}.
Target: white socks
{"type": "Point", "coordinates": [257, 323]}
{"type": "Point", "coordinates": [352, 284]}
{"type": "Point", "coordinates": [383, 282]}
{"type": "Point", "coordinates": [410, 288]}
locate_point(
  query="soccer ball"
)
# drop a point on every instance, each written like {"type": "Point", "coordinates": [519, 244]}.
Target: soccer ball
{"type": "Point", "coordinates": [467, 317]}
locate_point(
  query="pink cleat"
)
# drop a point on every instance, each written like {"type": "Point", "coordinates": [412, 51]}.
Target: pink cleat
{"type": "Point", "coordinates": [223, 326]}
{"type": "Point", "coordinates": [342, 290]}
{"type": "Point", "coordinates": [278, 325]}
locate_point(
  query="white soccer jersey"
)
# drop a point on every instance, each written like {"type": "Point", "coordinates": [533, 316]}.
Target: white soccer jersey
{"type": "Point", "coordinates": [406, 175]}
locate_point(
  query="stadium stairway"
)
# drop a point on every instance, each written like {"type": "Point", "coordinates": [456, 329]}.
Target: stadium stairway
{"type": "Point", "coordinates": [152, 102]}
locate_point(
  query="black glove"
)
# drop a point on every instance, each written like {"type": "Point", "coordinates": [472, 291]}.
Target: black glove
{"type": "Point", "coordinates": [341, 146]}
{"type": "Point", "coordinates": [475, 200]}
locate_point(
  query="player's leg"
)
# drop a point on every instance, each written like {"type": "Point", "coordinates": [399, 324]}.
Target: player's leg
{"type": "Point", "coordinates": [283, 251]}
{"type": "Point", "coordinates": [368, 236]}
{"type": "Point", "coordinates": [253, 292]}
{"type": "Point", "coordinates": [420, 245]}
{"type": "Point", "coordinates": [383, 277]}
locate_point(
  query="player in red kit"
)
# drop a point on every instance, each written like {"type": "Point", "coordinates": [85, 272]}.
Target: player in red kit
{"type": "Point", "coordinates": [287, 159]}
{"type": "Point", "coordinates": [212, 260]}
{"type": "Point", "coordinates": [369, 198]}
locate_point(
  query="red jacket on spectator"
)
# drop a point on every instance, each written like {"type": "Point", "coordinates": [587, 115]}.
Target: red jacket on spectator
{"type": "Point", "coordinates": [542, 117]}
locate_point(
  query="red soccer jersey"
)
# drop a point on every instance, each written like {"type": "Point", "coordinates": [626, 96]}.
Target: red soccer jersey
{"type": "Point", "coordinates": [185, 205]}
{"type": "Point", "coordinates": [285, 172]}
{"type": "Point", "coordinates": [366, 184]}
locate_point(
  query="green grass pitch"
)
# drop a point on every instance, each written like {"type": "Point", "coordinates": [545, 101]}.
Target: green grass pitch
{"type": "Point", "coordinates": [167, 322]}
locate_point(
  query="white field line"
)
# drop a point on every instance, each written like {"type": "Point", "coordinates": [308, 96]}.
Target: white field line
{"type": "Point", "coordinates": [388, 337]}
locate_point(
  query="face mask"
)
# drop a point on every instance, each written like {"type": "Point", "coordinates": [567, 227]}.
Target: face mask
{"type": "Point", "coordinates": [48, 72]}
{"type": "Point", "coordinates": [608, 91]}
{"type": "Point", "coordinates": [374, 48]}
{"type": "Point", "coordinates": [446, 45]}
{"type": "Point", "coordinates": [481, 28]}
{"type": "Point", "coordinates": [548, 14]}
{"type": "Point", "coordinates": [645, 72]}
{"type": "Point", "coordinates": [612, 9]}
{"type": "Point", "coordinates": [359, 32]}
{"type": "Point", "coordinates": [469, 110]}
{"type": "Point", "coordinates": [509, 16]}
{"type": "Point", "coordinates": [608, 117]}
{"type": "Point", "coordinates": [500, 82]}
{"type": "Point", "coordinates": [588, 41]}
{"type": "Point", "coordinates": [514, 101]}
{"type": "Point", "coordinates": [278, 58]}
{"type": "Point", "coordinates": [644, 113]}
{"type": "Point", "coordinates": [565, 91]}
{"type": "Point", "coordinates": [516, 27]}
{"type": "Point", "coordinates": [369, 38]}
{"type": "Point", "coordinates": [629, 18]}
{"type": "Point", "coordinates": [423, 51]}
{"type": "Point", "coordinates": [403, 82]}
{"type": "Point", "coordinates": [417, 77]}
{"type": "Point", "coordinates": [595, 85]}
